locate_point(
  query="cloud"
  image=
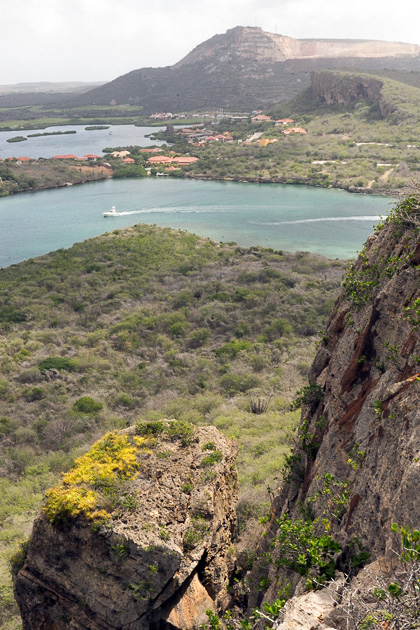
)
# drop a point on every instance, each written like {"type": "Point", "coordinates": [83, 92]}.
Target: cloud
{"type": "Point", "coordinates": [87, 40]}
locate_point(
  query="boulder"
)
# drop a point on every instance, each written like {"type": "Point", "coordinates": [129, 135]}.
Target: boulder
{"type": "Point", "coordinates": [150, 549]}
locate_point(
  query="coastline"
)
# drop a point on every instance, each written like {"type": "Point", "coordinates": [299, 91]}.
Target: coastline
{"type": "Point", "coordinates": [243, 180]}
{"type": "Point", "coordinates": [383, 192]}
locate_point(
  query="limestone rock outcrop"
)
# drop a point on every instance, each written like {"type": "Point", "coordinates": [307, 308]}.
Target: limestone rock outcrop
{"type": "Point", "coordinates": [150, 550]}
{"type": "Point", "coordinates": [349, 88]}
{"type": "Point", "coordinates": [357, 457]}
{"type": "Point", "coordinates": [332, 88]}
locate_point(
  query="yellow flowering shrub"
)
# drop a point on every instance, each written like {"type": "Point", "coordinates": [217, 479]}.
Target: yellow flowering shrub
{"type": "Point", "coordinates": [83, 489]}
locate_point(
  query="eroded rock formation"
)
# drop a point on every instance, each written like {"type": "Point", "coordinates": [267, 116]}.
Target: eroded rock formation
{"type": "Point", "coordinates": [154, 556]}
{"type": "Point", "coordinates": [332, 88]}
{"type": "Point", "coordinates": [357, 458]}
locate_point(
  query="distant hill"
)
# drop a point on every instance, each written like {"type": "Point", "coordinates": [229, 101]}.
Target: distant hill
{"type": "Point", "coordinates": [246, 68]}
{"type": "Point", "coordinates": [49, 87]}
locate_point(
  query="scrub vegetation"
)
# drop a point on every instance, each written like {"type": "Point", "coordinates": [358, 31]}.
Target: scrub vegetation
{"type": "Point", "coordinates": [36, 175]}
{"type": "Point", "coordinates": [350, 146]}
{"type": "Point", "coordinates": [144, 324]}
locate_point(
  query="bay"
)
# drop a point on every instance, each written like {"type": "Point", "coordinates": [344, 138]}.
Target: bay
{"type": "Point", "coordinates": [326, 221]}
{"type": "Point", "coordinates": [80, 143]}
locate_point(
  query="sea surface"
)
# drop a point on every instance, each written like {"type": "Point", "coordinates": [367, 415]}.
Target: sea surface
{"type": "Point", "coordinates": [79, 143]}
{"type": "Point", "coordinates": [331, 222]}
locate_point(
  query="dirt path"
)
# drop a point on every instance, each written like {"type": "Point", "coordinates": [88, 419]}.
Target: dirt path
{"type": "Point", "coordinates": [385, 176]}
{"type": "Point", "coordinates": [382, 178]}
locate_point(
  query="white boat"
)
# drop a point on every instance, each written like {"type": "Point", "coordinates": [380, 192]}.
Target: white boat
{"type": "Point", "coordinates": [111, 213]}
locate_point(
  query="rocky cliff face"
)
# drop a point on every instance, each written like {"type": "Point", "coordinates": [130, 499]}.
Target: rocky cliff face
{"type": "Point", "coordinates": [150, 550]}
{"type": "Point", "coordinates": [332, 88]}
{"type": "Point", "coordinates": [357, 454]}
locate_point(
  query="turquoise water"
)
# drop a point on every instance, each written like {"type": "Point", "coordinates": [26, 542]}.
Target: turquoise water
{"type": "Point", "coordinates": [330, 222]}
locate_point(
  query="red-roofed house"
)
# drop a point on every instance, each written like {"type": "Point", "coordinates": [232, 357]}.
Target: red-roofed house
{"type": "Point", "coordinates": [160, 159]}
{"type": "Point", "coordinates": [284, 121]}
{"type": "Point", "coordinates": [261, 118]}
{"type": "Point", "coordinates": [65, 157]}
{"type": "Point", "coordinates": [24, 159]}
{"type": "Point", "coordinates": [128, 161]}
{"type": "Point", "coordinates": [91, 156]}
{"type": "Point", "coordinates": [298, 130]}
{"type": "Point", "coordinates": [184, 161]}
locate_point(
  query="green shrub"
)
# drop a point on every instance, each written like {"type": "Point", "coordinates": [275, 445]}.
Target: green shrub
{"type": "Point", "coordinates": [11, 315]}
{"type": "Point", "coordinates": [177, 329]}
{"type": "Point", "coordinates": [278, 328]}
{"type": "Point", "coordinates": [187, 487]}
{"type": "Point", "coordinates": [150, 428]}
{"type": "Point", "coordinates": [233, 348]}
{"type": "Point", "coordinates": [198, 337]}
{"type": "Point", "coordinates": [58, 363]}
{"type": "Point", "coordinates": [86, 404]}
{"type": "Point", "coordinates": [234, 383]}
{"type": "Point", "coordinates": [194, 534]}
{"type": "Point", "coordinates": [298, 547]}
{"type": "Point", "coordinates": [212, 458]}
{"type": "Point", "coordinates": [17, 560]}
{"type": "Point", "coordinates": [310, 395]}
{"type": "Point", "coordinates": [209, 446]}
{"type": "Point", "coordinates": [180, 430]}
{"type": "Point", "coordinates": [34, 393]}
{"type": "Point", "coordinates": [5, 425]}
{"type": "Point", "coordinates": [123, 400]}
{"type": "Point", "coordinates": [4, 388]}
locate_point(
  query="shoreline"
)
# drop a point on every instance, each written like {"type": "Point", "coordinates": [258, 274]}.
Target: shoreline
{"type": "Point", "coordinates": [381, 192]}
{"type": "Point", "coordinates": [242, 180]}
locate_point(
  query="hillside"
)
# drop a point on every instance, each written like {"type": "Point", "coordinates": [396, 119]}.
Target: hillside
{"type": "Point", "coordinates": [340, 548]}
{"type": "Point", "coordinates": [246, 68]}
{"type": "Point", "coordinates": [146, 323]}
{"type": "Point", "coordinates": [355, 131]}
{"type": "Point", "coordinates": [353, 477]}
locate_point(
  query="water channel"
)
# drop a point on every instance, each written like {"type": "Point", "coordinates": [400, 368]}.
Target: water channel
{"type": "Point", "coordinates": [330, 222]}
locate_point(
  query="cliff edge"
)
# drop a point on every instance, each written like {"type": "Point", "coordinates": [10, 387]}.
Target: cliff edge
{"type": "Point", "coordinates": [136, 536]}
{"type": "Point", "coordinates": [355, 470]}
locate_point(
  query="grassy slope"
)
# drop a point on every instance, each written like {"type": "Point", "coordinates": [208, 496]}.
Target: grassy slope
{"type": "Point", "coordinates": [156, 323]}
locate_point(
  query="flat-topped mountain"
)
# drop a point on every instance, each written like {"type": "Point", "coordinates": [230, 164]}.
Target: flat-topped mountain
{"type": "Point", "coordinates": [254, 43]}
{"type": "Point", "coordinates": [246, 68]}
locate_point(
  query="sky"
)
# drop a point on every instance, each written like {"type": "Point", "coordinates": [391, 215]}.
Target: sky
{"type": "Point", "coordinates": [99, 40]}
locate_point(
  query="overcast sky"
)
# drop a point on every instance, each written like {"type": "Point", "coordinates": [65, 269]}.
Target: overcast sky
{"type": "Point", "coordinates": [98, 40]}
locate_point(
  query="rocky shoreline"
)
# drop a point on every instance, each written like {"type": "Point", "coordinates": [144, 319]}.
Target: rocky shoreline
{"type": "Point", "coordinates": [257, 180]}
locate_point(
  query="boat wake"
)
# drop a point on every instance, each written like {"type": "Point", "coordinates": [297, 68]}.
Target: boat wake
{"type": "Point", "coordinates": [170, 211]}
{"type": "Point", "coordinates": [355, 218]}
